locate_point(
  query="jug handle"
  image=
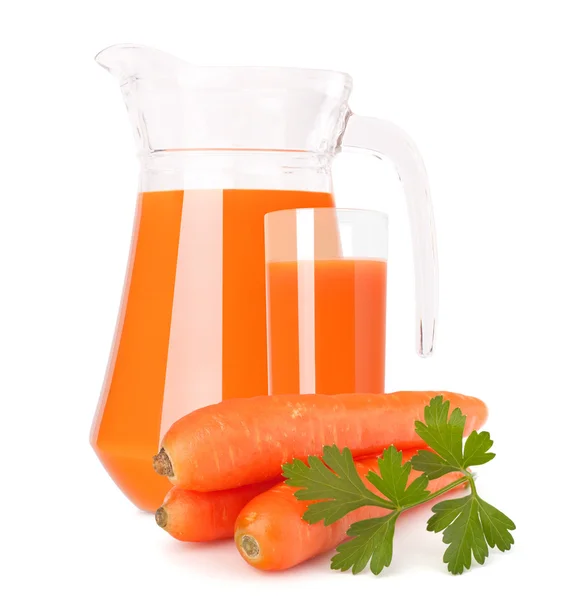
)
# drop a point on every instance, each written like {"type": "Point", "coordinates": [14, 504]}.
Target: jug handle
{"type": "Point", "coordinates": [386, 140]}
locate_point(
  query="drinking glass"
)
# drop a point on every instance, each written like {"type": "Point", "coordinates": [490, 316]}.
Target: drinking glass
{"type": "Point", "coordinates": [326, 275]}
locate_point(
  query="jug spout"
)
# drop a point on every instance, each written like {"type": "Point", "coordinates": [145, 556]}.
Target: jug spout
{"type": "Point", "coordinates": [131, 61]}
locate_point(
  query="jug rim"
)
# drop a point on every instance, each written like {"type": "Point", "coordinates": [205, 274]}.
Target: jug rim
{"type": "Point", "coordinates": [109, 58]}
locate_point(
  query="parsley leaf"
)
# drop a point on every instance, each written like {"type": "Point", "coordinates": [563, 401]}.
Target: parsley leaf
{"type": "Point", "coordinates": [393, 480]}
{"type": "Point", "coordinates": [475, 450]}
{"type": "Point", "coordinates": [465, 536]}
{"type": "Point", "coordinates": [432, 465]}
{"type": "Point", "coordinates": [445, 513]}
{"type": "Point", "coordinates": [464, 533]}
{"type": "Point", "coordinates": [496, 526]}
{"type": "Point", "coordinates": [372, 541]}
{"type": "Point", "coordinates": [469, 524]}
{"type": "Point", "coordinates": [443, 435]}
{"type": "Point", "coordinates": [334, 480]}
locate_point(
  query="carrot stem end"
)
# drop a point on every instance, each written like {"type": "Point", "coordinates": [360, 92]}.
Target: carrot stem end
{"type": "Point", "coordinates": [162, 517]}
{"type": "Point", "coordinates": [162, 464]}
{"type": "Point", "coordinates": [250, 546]}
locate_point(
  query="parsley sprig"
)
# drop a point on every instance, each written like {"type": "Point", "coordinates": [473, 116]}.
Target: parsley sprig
{"type": "Point", "coordinates": [470, 524]}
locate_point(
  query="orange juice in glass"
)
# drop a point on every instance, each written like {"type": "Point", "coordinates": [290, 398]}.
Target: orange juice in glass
{"type": "Point", "coordinates": [326, 275]}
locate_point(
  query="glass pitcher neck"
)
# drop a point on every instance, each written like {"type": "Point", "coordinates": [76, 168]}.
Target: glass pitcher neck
{"type": "Point", "coordinates": [236, 169]}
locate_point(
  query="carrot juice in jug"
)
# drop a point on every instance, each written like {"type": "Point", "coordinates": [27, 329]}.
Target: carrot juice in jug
{"type": "Point", "coordinates": [196, 272]}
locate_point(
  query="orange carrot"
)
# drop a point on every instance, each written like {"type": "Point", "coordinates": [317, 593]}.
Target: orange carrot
{"type": "Point", "coordinates": [271, 535]}
{"type": "Point", "coordinates": [192, 516]}
{"type": "Point", "coordinates": [245, 441]}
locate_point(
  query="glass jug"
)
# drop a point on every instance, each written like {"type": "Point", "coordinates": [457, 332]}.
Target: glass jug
{"type": "Point", "coordinates": [220, 147]}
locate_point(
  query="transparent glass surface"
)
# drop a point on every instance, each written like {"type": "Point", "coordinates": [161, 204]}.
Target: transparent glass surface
{"type": "Point", "coordinates": [175, 105]}
{"type": "Point", "coordinates": [326, 300]}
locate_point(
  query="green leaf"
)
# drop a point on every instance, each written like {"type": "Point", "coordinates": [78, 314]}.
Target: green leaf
{"type": "Point", "coordinates": [443, 435]}
{"type": "Point", "coordinates": [432, 465]}
{"type": "Point", "coordinates": [445, 513]}
{"type": "Point", "coordinates": [372, 541]}
{"type": "Point", "coordinates": [334, 480]}
{"type": "Point", "coordinates": [470, 524]}
{"type": "Point", "coordinates": [496, 526]}
{"type": "Point", "coordinates": [476, 447]}
{"type": "Point", "coordinates": [393, 480]}
{"type": "Point", "coordinates": [416, 492]}
{"type": "Point", "coordinates": [465, 537]}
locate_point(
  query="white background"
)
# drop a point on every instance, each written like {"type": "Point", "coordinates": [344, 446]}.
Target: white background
{"type": "Point", "coordinates": [481, 86]}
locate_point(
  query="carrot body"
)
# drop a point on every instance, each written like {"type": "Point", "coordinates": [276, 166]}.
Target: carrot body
{"type": "Point", "coordinates": [192, 516]}
{"type": "Point", "coordinates": [245, 441]}
{"type": "Point", "coordinates": [271, 535]}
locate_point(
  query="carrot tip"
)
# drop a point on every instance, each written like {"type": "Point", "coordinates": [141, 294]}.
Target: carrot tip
{"type": "Point", "coordinates": [162, 517]}
{"type": "Point", "coordinates": [162, 464]}
{"type": "Point", "coordinates": [250, 546]}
